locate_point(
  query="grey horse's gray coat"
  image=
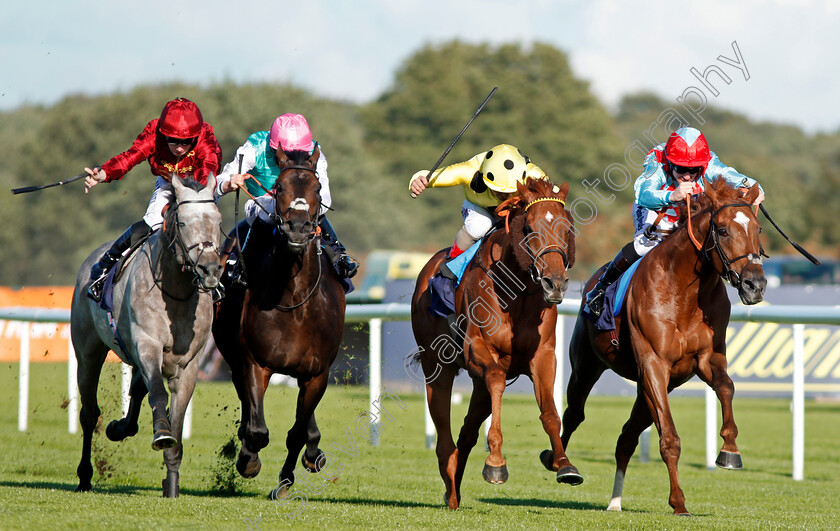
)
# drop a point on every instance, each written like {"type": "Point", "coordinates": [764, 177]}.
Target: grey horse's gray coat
{"type": "Point", "coordinates": [163, 319]}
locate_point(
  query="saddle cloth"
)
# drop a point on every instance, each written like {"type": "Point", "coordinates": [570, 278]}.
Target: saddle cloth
{"type": "Point", "coordinates": [442, 285]}
{"type": "Point", "coordinates": [613, 300]}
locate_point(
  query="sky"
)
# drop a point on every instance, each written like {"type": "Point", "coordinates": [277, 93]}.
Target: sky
{"type": "Point", "coordinates": [783, 54]}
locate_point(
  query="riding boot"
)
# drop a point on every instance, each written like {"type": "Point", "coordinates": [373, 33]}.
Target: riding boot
{"type": "Point", "coordinates": [622, 261]}
{"type": "Point", "coordinates": [346, 264]}
{"type": "Point", "coordinates": [230, 258]}
{"type": "Point", "coordinates": [100, 269]}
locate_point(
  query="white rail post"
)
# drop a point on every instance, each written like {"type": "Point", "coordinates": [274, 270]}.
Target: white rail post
{"type": "Point", "coordinates": [186, 432]}
{"type": "Point", "coordinates": [23, 378]}
{"type": "Point", "coordinates": [72, 389]}
{"type": "Point", "coordinates": [430, 426]}
{"type": "Point", "coordinates": [798, 402]}
{"type": "Point", "coordinates": [375, 375]}
{"type": "Point", "coordinates": [560, 355]}
{"type": "Point", "coordinates": [126, 388]}
{"type": "Point", "coordinates": [711, 427]}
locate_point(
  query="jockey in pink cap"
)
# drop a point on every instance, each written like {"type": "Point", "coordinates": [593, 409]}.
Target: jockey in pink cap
{"type": "Point", "coordinates": [289, 133]}
{"type": "Point", "coordinates": [673, 170]}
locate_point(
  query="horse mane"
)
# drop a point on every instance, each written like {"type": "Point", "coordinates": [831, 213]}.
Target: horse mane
{"type": "Point", "coordinates": [723, 191]}
{"type": "Point", "coordinates": [514, 207]}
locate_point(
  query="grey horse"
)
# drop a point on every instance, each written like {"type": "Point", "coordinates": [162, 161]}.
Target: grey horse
{"type": "Point", "coordinates": [163, 311]}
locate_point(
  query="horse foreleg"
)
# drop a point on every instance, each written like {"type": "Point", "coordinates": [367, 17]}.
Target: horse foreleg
{"type": "Point", "coordinates": [313, 458]}
{"type": "Point", "coordinates": [89, 368]}
{"type": "Point", "coordinates": [655, 375]}
{"type": "Point", "coordinates": [543, 371]}
{"type": "Point", "coordinates": [181, 389]}
{"type": "Point", "coordinates": [250, 386]}
{"type": "Point", "coordinates": [495, 467]}
{"type": "Point", "coordinates": [310, 394]}
{"type": "Point", "coordinates": [638, 422]}
{"type": "Point", "coordinates": [715, 375]}
{"type": "Point", "coordinates": [118, 430]}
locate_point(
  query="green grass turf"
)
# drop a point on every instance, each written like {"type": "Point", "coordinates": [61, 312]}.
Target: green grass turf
{"type": "Point", "coordinates": [397, 484]}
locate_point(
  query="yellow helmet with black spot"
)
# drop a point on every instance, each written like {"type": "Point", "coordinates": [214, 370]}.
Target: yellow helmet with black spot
{"type": "Point", "coordinates": [502, 167]}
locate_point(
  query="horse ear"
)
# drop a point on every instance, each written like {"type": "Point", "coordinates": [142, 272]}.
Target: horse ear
{"type": "Point", "coordinates": [177, 185]}
{"type": "Point", "coordinates": [570, 236]}
{"type": "Point", "coordinates": [563, 191]}
{"type": "Point", "coordinates": [211, 182]}
{"type": "Point", "coordinates": [752, 194]}
{"type": "Point", "coordinates": [316, 154]}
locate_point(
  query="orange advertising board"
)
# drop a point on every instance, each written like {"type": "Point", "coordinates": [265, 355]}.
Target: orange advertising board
{"type": "Point", "coordinates": [48, 342]}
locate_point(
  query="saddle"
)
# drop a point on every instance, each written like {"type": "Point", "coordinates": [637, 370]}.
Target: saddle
{"type": "Point", "coordinates": [613, 300]}
{"type": "Point", "coordinates": [115, 273]}
{"type": "Point", "coordinates": [442, 285]}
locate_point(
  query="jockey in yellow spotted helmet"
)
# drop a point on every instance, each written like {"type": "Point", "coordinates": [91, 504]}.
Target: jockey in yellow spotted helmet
{"type": "Point", "coordinates": [487, 179]}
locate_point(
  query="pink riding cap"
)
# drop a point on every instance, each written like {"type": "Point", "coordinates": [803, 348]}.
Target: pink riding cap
{"type": "Point", "coordinates": [291, 133]}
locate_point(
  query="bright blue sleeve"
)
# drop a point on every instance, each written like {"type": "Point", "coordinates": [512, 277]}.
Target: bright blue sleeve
{"type": "Point", "coordinates": [648, 186]}
{"type": "Point", "coordinates": [719, 169]}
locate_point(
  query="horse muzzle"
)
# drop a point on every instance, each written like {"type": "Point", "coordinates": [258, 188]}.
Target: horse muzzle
{"type": "Point", "coordinates": [752, 285]}
{"type": "Point", "coordinates": [554, 288]}
{"type": "Point", "coordinates": [209, 274]}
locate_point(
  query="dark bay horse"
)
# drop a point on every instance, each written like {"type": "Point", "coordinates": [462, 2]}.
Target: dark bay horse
{"type": "Point", "coordinates": [163, 308]}
{"type": "Point", "coordinates": [288, 320]}
{"type": "Point", "coordinates": [504, 327]}
{"type": "Point", "coordinates": [673, 326]}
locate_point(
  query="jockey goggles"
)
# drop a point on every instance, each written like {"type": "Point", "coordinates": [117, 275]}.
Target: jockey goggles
{"type": "Point", "coordinates": [179, 141]}
{"type": "Point", "coordinates": [693, 170]}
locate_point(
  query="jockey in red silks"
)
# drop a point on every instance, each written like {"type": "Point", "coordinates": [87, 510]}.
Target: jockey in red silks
{"type": "Point", "coordinates": [673, 170]}
{"type": "Point", "coordinates": [488, 179]}
{"type": "Point", "coordinates": [180, 142]}
{"type": "Point", "coordinates": [289, 133]}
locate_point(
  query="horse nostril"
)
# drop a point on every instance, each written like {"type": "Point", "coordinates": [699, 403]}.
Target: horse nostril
{"type": "Point", "coordinates": [547, 285]}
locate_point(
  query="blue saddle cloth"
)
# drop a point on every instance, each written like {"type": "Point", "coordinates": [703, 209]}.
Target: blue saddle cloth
{"type": "Point", "coordinates": [613, 300]}
{"type": "Point", "coordinates": [442, 289]}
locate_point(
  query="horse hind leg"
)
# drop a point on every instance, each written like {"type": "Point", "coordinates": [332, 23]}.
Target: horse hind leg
{"type": "Point", "coordinates": [587, 368]}
{"type": "Point", "coordinates": [90, 362]}
{"type": "Point", "coordinates": [119, 430]}
{"type": "Point", "coordinates": [479, 410]}
{"type": "Point", "coordinates": [638, 422]}
{"type": "Point", "coordinates": [438, 396]}
{"type": "Point", "coordinates": [495, 467]}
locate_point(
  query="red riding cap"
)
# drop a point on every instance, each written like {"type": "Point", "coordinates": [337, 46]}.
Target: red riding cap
{"type": "Point", "coordinates": [180, 118]}
{"type": "Point", "coordinates": [687, 147]}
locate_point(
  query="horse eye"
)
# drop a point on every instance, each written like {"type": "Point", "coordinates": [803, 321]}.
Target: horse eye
{"type": "Point", "coordinates": [722, 232]}
{"type": "Point", "coordinates": [526, 230]}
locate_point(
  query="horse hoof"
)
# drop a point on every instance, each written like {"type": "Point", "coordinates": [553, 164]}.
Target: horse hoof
{"type": "Point", "coordinates": [569, 475]}
{"type": "Point", "coordinates": [729, 461]}
{"type": "Point", "coordinates": [280, 493]}
{"type": "Point", "coordinates": [163, 439]}
{"type": "Point", "coordinates": [495, 474]}
{"type": "Point", "coordinates": [316, 465]}
{"type": "Point", "coordinates": [115, 431]}
{"type": "Point", "coordinates": [170, 488]}
{"type": "Point", "coordinates": [547, 460]}
{"type": "Point", "coordinates": [83, 487]}
{"type": "Point", "coordinates": [248, 466]}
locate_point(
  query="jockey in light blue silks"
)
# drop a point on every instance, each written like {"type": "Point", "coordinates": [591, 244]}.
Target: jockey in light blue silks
{"type": "Point", "coordinates": [673, 170]}
{"type": "Point", "coordinates": [289, 133]}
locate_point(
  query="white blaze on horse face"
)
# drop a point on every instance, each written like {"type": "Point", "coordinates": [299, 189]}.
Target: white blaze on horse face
{"type": "Point", "coordinates": [299, 204]}
{"type": "Point", "coordinates": [548, 217]}
{"type": "Point", "coordinates": [743, 220]}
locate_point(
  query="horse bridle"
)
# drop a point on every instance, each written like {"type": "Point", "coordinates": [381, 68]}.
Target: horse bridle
{"type": "Point", "coordinates": [178, 240]}
{"type": "Point", "coordinates": [712, 243]}
{"type": "Point", "coordinates": [536, 274]}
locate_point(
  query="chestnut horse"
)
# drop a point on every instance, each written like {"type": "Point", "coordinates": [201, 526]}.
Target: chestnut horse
{"type": "Point", "coordinates": [504, 326]}
{"type": "Point", "coordinates": [289, 319]}
{"type": "Point", "coordinates": [673, 326]}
